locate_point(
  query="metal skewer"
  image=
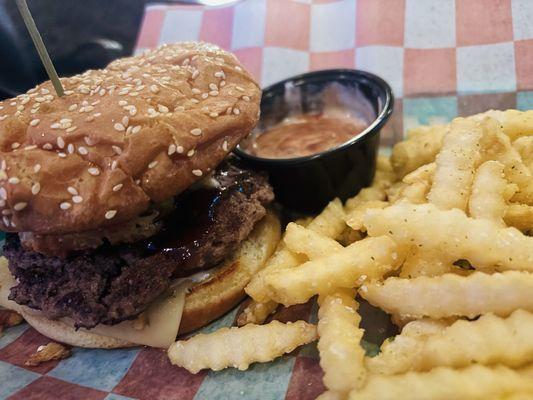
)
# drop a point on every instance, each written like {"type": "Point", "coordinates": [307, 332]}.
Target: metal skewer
{"type": "Point", "coordinates": [39, 45]}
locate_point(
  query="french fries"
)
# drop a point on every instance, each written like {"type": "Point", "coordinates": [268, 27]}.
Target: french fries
{"type": "Point", "coordinates": [330, 223]}
{"type": "Point", "coordinates": [396, 355]}
{"type": "Point", "coordinates": [524, 147]}
{"type": "Point", "coordinates": [456, 163]}
{"type": "Point", "coordinates": [240, 347]}
{"type": "Point", "coordinates": [454, 235]}
{"type": "Point", "coordinates": [341, 355]}
{"type": "Point", "coordinates": [520, 216]}
{"type": "Point", "coordinates": [490, 193]}
{"type": "Point", "coordinates": [452, 295]}
{"type": "Point", "coordinates": [370, 258]}
{"type": "Point", "coordinates": [438, 239]}
{"type": "Point", "coordinates": [305, 241]}
{"type": "Point", "coordinates": [420, 148]}
{"type": "Point", "coordinates": [425, 263]}
{"type": "Point", "coordinates": [256, 313]}
{"type": "Point", "coordinates": [473, 383]}
{"type": "Point", "coordinates": [486, 341]}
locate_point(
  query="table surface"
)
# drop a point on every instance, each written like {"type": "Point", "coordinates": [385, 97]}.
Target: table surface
{"type": "Point", "coordinates": [443, 58]}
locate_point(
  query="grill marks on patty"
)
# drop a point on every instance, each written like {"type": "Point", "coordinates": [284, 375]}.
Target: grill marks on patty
{"type": "Point", "coordinates": [115, 283]}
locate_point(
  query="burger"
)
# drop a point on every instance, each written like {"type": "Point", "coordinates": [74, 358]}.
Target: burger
{"type": "Point", "coordinates": [126, 221]}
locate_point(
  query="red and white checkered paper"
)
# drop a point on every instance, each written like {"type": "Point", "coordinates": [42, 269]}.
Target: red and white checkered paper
{"type": "Point", "coordinates": [441, 57]}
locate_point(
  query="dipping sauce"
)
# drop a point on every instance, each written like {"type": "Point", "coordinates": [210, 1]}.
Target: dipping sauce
{"type": "Point", "coordinates": [304, 135]}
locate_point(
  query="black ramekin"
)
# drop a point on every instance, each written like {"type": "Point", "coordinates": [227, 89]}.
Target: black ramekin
{"type": "Point", "coordinates": [307, 184]}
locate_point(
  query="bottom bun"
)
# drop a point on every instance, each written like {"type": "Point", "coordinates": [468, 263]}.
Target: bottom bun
{"type": "Point", "coordinates": [61, 332]}
{"type": "Point", "coordinates": [212, 297]}
{"type": "Point", "coordinates": [207, 299]}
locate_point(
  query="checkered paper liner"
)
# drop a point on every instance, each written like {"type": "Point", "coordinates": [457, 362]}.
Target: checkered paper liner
{"type": "Point", "coordinates": [442, 58]}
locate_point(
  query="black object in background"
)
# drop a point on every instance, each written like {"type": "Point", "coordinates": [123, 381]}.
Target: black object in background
{"type": "Point", "coordinates": [79, 35]}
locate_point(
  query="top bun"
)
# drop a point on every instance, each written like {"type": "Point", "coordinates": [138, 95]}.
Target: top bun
{"type": "Point", "coordinates": [143, 129]}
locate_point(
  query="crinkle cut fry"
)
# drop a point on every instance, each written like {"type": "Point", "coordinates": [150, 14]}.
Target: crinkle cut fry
{"type": "Point", "coordinates": [341, 354]}
{"type": "Point", "coordinates": [488, 340]}
{"type": "Point", "coordinates": [240, 347]}
{"type": "Point", "coordinates": [452, 295]}
{"type": "Point", "coordinates": [330, 223]}
{"type": "Point", "coordinates": [456, 236]}
{"type": "Point", "coordinates": [473, 383]}
{"type": "Point", "coordinates": [456, 162]}
{"type": "Point", "coordinates": [370, 258]}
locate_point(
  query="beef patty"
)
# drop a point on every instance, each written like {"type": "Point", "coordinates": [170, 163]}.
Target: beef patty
{"type": "Point", "coordinates": [114, 283]}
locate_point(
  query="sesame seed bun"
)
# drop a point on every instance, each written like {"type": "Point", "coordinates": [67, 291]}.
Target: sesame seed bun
{"type": "Point", "coordinates": [143, 129]}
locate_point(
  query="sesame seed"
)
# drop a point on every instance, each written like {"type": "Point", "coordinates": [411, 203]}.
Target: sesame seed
{"type": "Point", "coordinates": [212, 86]}
{"type": "Point", "coordinates": [88, 141]}
{"type": "Point", "coordinates": [190, 153]}
{"type": "Point", "coordinates": [222, 83]}
{"type": "Point", "coordinates": [7, 212]}
{"type": "Point", "coordinates": [246, 98]}
{"type": "Point", "coordinates": [180, 149]}
{"type": "Point", "coordinates": [225, 145]}
{"type": "Point", "coordinates": [117, 149]}
{"type": "Point", "coordinates": [37, 168]}
{"type": "Point", "coordinates": [62, 155]}
{"type": "Point", "coordinates": [13, 180]}
{"type": "Point", "coordinates": [3, 117]}
{"type": "Point", "coordinates": [195, 101]}
{"type": "Point", "coordinates": [196, 91]}
{"type": "Point", "coordinates": [237, 68]}
{"type": "Point", "coordinates": [171, 149]}
{"type": "Point", "coordinates": [45, 91]}
{"type": "Point", "coordinates": [239, 88]}
{"type": "Point", "coordinates": [3, 193]}
{"type": "Point", "coordinates": [83, 151]}
{"type": "Point", "coordinates": [13, 224]}
{"type": "Point", "coordinates": [77, 199]}
{"type": "Point", "coordinates": [136, 129]}
{"type": "Point", "coordinates": [110, 214]}
{"type": "Point", "coordinates": [116, 188]}
{"type": "Point", "coordinates": [96, 115]}
{"type": "Point", "coordinates": [195, 74]}
{"type": "Point", "coordinates": [196, 132]}
{"type": "Point", "coordinates": [205, 95]}
{"type": "Point", "coordinates": [219, 74]}
{"type": "Point", "coordinates": [36, 188]}
{"type": "Point", "coordinates": [213, 93]}
{"type": "Point", "coordinates": [72, 190]}
{"type": "Point", "coordinates": [122, 103]}
{"type": "Point", "coordinates": [20, 206]}
{"type": "Point", "coordinates": [125, 120]}
{"type": "Point", "coordinates": [71, 129]}
{"type": "Point", "coordinates": [70, 148]}
{"type": "Point", "coordinates": [229, 110]}
{"type": "Point", "coordinates": [119, 127]}
{"type": "Point", "coordinates": [152, 164]}
{"type": "Point", "coordinates": [55, 125]}
{"type": "Point", "coordinates": [162, 108]}
{"type": "Point", "coordinates": [236, 111]}
{"type": "Point", "coordinates": [154, 88]}
{"type": "Point", "coordinates": [213, 115]}
{"type": "Point", "coordinates": [197, 172]}
{"type": "Point", "coordinates": [151, 111]}
{"type": "Point", "coordinates": [6, 221]}
{"type": "Point", "coordinates": [65, 205]}
{"type": "Point", "coordinates": [114, 165]}
{"type": "Point", "coordinates": [47, 146]}
{"type": "Point", "coordinates": [15, 145]}
{"type": "Point", "coordinates": [60, 142]}
{"type": "Point", "coordinates": [93, 171]}
{"type": "Point", "coordinates": [34, 122]}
